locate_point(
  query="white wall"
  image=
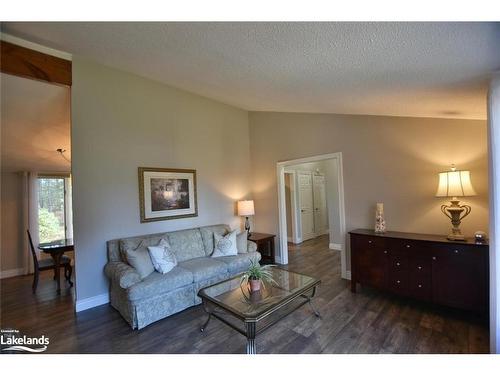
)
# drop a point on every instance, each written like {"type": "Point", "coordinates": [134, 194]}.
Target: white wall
{"type": "Point", "coordinates": [120, 122]}
{"type": "Point", "coordinates": [12, 246]}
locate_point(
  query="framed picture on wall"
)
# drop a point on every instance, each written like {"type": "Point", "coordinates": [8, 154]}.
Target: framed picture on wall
{"type": "Point", "coordinates": [166, 193]}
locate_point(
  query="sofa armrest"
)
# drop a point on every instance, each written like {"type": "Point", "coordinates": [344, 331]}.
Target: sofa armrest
{"type": "Point", "coordinates": [122, 274]}
{"type": "Point", "coordinates": [251, 247]}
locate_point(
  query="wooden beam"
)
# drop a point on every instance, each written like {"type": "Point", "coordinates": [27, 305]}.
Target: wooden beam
{"type": "Point", "coordinates": [27, 63]}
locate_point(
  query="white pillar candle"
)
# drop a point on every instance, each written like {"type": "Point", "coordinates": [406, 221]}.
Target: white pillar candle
{"type": "Point", "coordinates": [380, 207]}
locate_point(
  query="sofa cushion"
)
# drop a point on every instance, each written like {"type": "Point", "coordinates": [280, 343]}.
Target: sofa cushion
{"type": "Point", "coordinates": [186, 244]}
{"type": "Point", "coordinates": [239, 263]}
{"type": "Point", "coordinates": [207, 234]}
{"type": "Point", "coordinates": [204, 268]}
{"type": "Point", "coordinates": [158, 283]}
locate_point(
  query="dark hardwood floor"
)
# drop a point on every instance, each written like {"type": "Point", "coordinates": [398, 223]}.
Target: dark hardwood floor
{"type": "Point", "coordinates": [366, 322]}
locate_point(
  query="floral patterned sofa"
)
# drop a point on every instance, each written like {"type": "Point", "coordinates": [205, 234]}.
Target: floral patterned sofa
{"type": "Point", "coordinates": [142, 302]}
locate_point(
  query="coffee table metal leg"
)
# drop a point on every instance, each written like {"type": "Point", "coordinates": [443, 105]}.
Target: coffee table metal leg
{"type": "Point", "coordinates": [250, 330]}
{"type": "Point", "coordinates": [309, 299]}
{"type": "Point", "coordinates": [204, 326]}
{"type": "Point", "coordinates": [313, 308]}
{"type": "Point", "coordinates": [209, 312]}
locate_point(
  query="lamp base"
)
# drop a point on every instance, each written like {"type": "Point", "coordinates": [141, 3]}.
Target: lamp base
{"type": "Point", "coordinates": [456, 213]}
{"type": "Point", "coordinates": [456, 237]}
{"type": "Point", "coordinates": [247, 226]}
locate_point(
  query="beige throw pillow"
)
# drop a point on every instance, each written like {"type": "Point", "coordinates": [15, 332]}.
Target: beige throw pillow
{"type": "Point", "coordinates": [140, 260]}
{"type": "Point", "coordinates": [242, 242]}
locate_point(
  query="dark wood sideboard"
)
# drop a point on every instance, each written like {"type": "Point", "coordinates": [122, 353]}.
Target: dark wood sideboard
{"type": "Point", "coordinates": [424, 267]}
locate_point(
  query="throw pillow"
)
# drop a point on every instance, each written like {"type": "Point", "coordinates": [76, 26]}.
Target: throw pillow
{"type": "Point", "coordinates": [241, 242]}
{"type": "Point", "coordinates": [225, 245]}
{"type": "Point", "coordinates": [140, 260]}
{"type": "Point", "coordinates": [162, 257]}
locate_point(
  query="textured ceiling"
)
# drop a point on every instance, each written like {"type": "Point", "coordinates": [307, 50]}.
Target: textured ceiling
{"type": "Point", "coordinates": [35, 119]}
{"type": "Point", "coordinates": [402, 69]}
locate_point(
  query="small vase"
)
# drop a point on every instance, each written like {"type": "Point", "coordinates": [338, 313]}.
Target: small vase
{"type": "Point", "coordinates": [379, 219]}
{"type": "Point", "coordinates": [254, 285]}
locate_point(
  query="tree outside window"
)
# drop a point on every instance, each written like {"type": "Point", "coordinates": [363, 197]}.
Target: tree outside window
{"type": "Point", "coordinates": [51, 209]}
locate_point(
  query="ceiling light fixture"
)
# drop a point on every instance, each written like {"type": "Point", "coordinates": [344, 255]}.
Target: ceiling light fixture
{"type": "Point", "coordinates": [61, 151]}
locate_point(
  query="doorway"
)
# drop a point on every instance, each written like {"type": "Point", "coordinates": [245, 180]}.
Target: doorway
{"type": "Point", "coordinates": [307, 209]}
{"type": "Point", "coordinates": [36, 163]}
{"type": "Point", "coordinates": [315, 186]}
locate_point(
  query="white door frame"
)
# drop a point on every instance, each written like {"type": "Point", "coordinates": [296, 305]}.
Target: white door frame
{"type": "Point", "coordinates": [295, 238]}
{"type": "Point", "coordinates": [283, 245]}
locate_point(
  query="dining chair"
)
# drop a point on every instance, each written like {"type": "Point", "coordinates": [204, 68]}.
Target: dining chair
{"type": "Point", "coordinates": [48, 264]}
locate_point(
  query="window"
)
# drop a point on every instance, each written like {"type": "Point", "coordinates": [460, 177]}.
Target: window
{"type": "Point", "coordinates": [54, 208]}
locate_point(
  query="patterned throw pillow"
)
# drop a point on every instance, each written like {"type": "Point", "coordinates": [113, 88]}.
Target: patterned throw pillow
{"type": "Point", "coordinates": [162, 257]}
{"type": "Point", "coordinates": [225, 245]}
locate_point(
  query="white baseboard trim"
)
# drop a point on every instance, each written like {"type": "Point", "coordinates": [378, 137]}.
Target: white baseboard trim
{"type": "Point", "coordinates": [11, 273]}
{"type": "Point", "coordinates": [321, 233]}
{"type": "Point", "coordinates": [335, 246]}
{"type": "Point", "coordinates": [88, 303]}
{"type": "Point", "coordinates": [277, 259]}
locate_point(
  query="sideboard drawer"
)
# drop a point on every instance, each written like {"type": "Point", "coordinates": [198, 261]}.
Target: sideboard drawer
{"type": "Point", "coordinates": [398, 262]}
{"type": "Point", "coordinates": [371, 242]}
{"type": "Point", "coordinates": [398, 282]}
{"type": "Point", "coordinates": [421, 289]}
{"type": "Point", "coordinates": [420, 277]}
{"type": "Point", "coordinates": [402, 245]}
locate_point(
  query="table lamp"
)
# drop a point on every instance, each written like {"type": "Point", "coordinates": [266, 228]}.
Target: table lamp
{"type": "Point", "coordinates": [246, 208]}
{"type": "Point", "coordinates": [455, 184]}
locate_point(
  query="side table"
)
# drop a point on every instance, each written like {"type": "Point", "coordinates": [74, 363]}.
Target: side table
{"type": "Point", "coordinates": [265, 245]}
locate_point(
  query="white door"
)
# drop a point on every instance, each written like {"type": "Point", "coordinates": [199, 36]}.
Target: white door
{"type": "Point", "coordinates": [306, 204]}
{"type": "Point", "coordinates": [320, 209]}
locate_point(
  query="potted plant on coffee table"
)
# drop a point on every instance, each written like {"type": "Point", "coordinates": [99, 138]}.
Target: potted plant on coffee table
{"type": "Point", "coordinates": [256, 274]}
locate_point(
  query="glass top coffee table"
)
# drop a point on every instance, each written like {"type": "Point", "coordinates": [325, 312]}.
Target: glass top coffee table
{"type": "Point", "coordinates": [251, 313]}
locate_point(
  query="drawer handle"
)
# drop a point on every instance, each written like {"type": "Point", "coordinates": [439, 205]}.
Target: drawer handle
{"type": "Point", "coordinates": [420, 285]}
{"type": "Point", "coordinates": [398, 264]}
{"type": "Point", "coordinates": [385, 251]}
{"type": "Point", "coordinates": [434, 258]}
{"type": "Point", "coordinates": [398, 281]}
{"type": "Point", "coordinates": [369, 241]}
{"type": "Point", "coordinates": [408, 246]}
{"type": "Point", "coordinates": [419, 267]}
{"type": "Point", "coordinates": [455, 251]}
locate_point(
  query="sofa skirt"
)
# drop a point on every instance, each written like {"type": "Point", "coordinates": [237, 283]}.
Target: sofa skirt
{"type": "Point", "coordinates": [141, 313]}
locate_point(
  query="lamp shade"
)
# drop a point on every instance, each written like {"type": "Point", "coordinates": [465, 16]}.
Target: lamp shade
{"type": "Point", "coordinates": [455, 184]}
{"type": "Point", "coordinates": [245, 208]}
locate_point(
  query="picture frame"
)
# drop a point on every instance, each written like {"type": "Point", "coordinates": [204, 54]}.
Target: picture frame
{"type": "Point", "coordinates": [167, 193]}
